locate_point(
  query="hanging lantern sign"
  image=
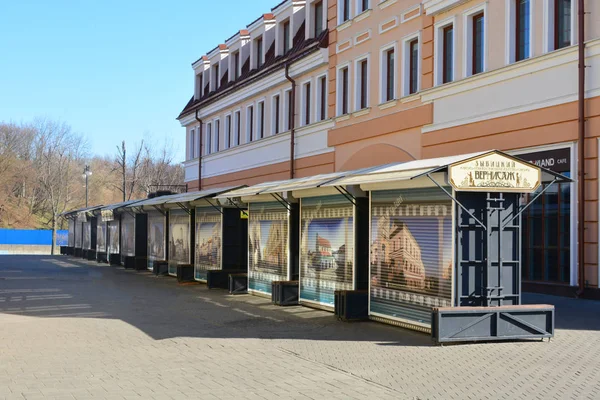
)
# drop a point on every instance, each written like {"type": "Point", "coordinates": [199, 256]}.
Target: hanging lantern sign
{"type": "Point", "coordinates": [494, 172]}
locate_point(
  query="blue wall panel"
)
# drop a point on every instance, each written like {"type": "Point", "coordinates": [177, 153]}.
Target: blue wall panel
{"type": "Point", "coordinates": [32, 237]}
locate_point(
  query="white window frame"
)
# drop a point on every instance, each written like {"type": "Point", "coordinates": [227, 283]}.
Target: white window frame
{"type": "Point", "coordinates": [286, 107]}
{"type": "Point", "coordinates": [358, 8]}
{"type": "Point", "coordinates": [509, 28]}
{"type": "Point", "coordinates": [317, 94]}
{"type": "Point", "coordinates": [339, 82]}
{"type": "Point", "coordinates": [439, 50]}
{"type": "Point", "coordinates": [227, 131]}
{"type": "Point", "coordinates": [405, 70]}
{"type": "Point", "coordinates": [273, 116]}
{"type": "Point", "coordinates": [192, 144]}
{"type": "Point", "coordinates": [257, 119]}
{"type": "Point", "coordinates": [208, 135]}
{"type": "Point", "coordinates": [250, 123]}
{"type": "Point", "coordinates": [340, 8]}
{"type": "Point", "coordinates": [236, 132]}
{"type": "Point", "coordinates": [468, 38]}
{"type": "Point", "coordinates": [357, 82]}
{"type": "Point", "coordinates": [303, 100]}
{"type": "Point", "coordinates": [216, 135]}
{"type": "Point", "coordinates": [383, 71]}
{"type": "Point", "coordinates": [549, 24]}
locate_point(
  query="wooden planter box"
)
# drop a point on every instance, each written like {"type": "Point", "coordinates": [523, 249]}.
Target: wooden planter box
{"type": "Point", "coordinates": [219, 279]}
{"type": "Point", "coordinates": [114, 259]}
{"type": "Point", "coordinates": [91, 255]}
{"type": "Point", "coordinates": [160, 268]}
{"type": "Point", "coordinates": [284, 293]}
{"type": "Point", "coordinates": [238, 283]}
{"type": "Point", "coordinates": [129, 262]}
{"type": "Point", "coordinates": [352, 305]}
{"type": "Point", "coordinates": [185, 273]}
{"type": "Point", "coordinates": [102, 257]}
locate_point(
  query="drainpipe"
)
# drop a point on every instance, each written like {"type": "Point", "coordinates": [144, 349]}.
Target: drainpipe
{"type": "Point", "coordinates": [581, 121]}
{"type": "Point", "coordinates": [292, 119]}
{"type": "Point", "coordinates": [200, 135]}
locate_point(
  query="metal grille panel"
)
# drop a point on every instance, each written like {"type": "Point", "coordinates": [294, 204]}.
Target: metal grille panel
{"type": "Point", "coordinates": [101, 237]}
{"type": "Point", "coordinates": [209, 242]}
{"type": "Point", "coordinates": [113, 237]}
{"type": "Point", "coordinates": [128, 234]}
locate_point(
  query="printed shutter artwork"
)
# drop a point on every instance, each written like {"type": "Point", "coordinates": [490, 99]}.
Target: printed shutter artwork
{"type": "Point", "coordinates": [267, 245]}
{"type": "Point", "coordinates": [101, 237]}
{"type": "Point", "coordinates": [87, 235]}
{"type": "Point", "coordinates": [128, 233]}
{"type": "Point", "coordinates": [179, 239]}
{"type": "Point", "coordinates": [208, 241]}
{"type": "Point", "coordinates": [156, 236]}
{"type": "Point", "coordinates": [78, 235]}
{"type": "Point", "coordinates": [71, 240]}
{"type": "Point", "coordinates": [327, 248]}
{"type": "Point", "coordinates": [411, 254]}
{"type": "Point", "coordinates": [113, 237]}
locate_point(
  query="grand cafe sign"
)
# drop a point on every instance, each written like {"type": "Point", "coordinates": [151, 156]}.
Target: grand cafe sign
{"type": "Point", "coordinates": [494, 172]}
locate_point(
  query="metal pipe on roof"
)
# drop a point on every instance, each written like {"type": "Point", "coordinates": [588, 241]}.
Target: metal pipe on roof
{"type": "Point", "coordinates": [292, 118]}
{"type": "Point", "coordinates": [199, 150]}
{"type": "Point", "coordinates": [581, 148]}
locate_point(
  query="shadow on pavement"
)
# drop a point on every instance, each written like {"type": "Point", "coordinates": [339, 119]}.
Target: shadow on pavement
{"type": "Point", "coordinates": [52, 287]}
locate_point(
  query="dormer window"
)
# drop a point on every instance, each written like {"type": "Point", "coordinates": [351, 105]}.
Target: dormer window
{"type": "Point", "coordinates": [318, 18]}
{"type": "Point", "coordinates": [259, 52]}
{"type": "Point", "coordinates": [199, 87]}
{"type": "Point", "coordinates": [236, 65]}
{"type": "Point", "coordinates": [286, 36]}
{"type": "Point", "coordinates": [216, 76]}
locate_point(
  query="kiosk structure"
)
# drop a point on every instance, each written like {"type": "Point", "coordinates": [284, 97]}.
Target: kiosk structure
{"type": "Point", "coordinates": [113, 216]}
{"type": "Point", "coordinates": [76, 219]}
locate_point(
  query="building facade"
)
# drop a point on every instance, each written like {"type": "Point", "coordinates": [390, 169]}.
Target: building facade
{"type": "Point", "coordinates": [369, 82]}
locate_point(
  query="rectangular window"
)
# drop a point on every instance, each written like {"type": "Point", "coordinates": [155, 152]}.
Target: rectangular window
{"type": "Point", "coordinates": [477, 44]}
{"type": "Point", "coordinates": [322, 98]}
{"type": "Point", "coordinates": [192, 151]}
{"type": "Point", "coordinates": [261, 120]}
{"type": "Point", "coordinates": [250, 124]}
{"type": "Point", "coordinates": [228, 131]}
{"type": "Point", "coordinates": [344, 86]}
{"type": "Point", "coordinates": [199, 86]}
{"type": "Point", "coordinates": [522, 30]}
{"type": "Point", "coordinates": [448, 54]}
{"type": "Point", "coordinates": [389, 74]}
{"type": "Point", "coordinates": [363, 84]}
{"type": "Point", "coordinates": [307, 103]}
{"type": "Point", "coordinates": [217, 134]}
{"type": "Point", "coordinates": [208, 139]}
{"type": "Point", "coordinates": [413, 79]}
{"type": "Point", "coordinates": [364, 5]}
{"type": "Point", "coordinates": [286, 37]}
{"type": "Point", "coordinates": [259, 52]}
{"type": "Point", "coordinates": [236, 65]}
{"type": "Point", "coordinates": [276, 114]}
{"type": "Point", "coordinates": [562, 23]}
{"type": "Point", "coordinates": [318, 18]}
{"type": "Point", "coordinates": [238, 128]}
{"type": "Point", "coordinates": [289, 110]}
{"type": "Point", "coordinates": [345, 10]}
{"type": "Point", "coordinates": [216, 76]}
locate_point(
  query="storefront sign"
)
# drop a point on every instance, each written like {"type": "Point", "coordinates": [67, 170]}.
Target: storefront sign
{"type": "Point", "coordinates": [494, 172]}
{"type": "Point", "coordinates": [558, 160]}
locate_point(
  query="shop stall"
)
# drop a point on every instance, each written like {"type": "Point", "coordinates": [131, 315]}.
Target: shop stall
{"type": "Point", "coordinates": [445, 244]}
{"type": "Point", "coordinates": [112, 218]}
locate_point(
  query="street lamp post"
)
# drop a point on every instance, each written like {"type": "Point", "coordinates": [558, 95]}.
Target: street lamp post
{"type": "Point", "coordinates": [86, 174]}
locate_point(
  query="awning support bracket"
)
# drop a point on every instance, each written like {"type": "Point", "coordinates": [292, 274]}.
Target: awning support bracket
{"type": "Point", "coordinates": [281, 201]}
{"type": "Point", "coordinates": [346, 194]}
{"type": "Point", "coordinates": [233, 203]}
{"type": "Point", "coordinates": [184, 208]}
{"type": "Point", "coordinates": [457, 202]}
{"type": "Point", "coordinates": [160, 210]}
{"type": "Point", "coordinates": [214, 206]}
{"type": "Point", "coordinates": [526, 206]}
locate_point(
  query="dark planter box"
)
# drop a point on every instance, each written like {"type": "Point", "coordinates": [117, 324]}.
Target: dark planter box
{"type": "Point", "coordinates": [160, 268]}
{"type": "Point", "coordinates": [70, 251]}
{"type": "Point", "coordinates": [114, 259]}
{"type": "Point", "coordinates": [64, 250]}
{"type": "Point", "coordinates": [352, 305]}
{"type": "Point", "coordinates": [140, 264]}
{"type": "Point", "coordinates": [185, 273]}
{"type": "Point", "coordinates": [475, 324]}
{"type": "Point", "coordinates": [238, 283]}
{"type": "Point", "coordinates": [78, 253]}
{"type": "Point", "coordinates": [284, 293]}
{"type": "Point", "coordinates": [91, 255]}
{"type": "Point", "coordinates": [219, 279]}
{"type": "Point", "coordinates": [102, 257]}
{"type": "Point", "coordinates": [129, 262]}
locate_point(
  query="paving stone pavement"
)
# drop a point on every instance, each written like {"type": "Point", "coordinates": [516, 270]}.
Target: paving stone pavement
{"type": "Point", "coordinates": [73, 329]}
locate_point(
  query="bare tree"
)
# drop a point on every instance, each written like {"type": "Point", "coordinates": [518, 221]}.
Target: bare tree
{"type": "Point", "coordinates": [58, 156]}
{"type": "Point", "coordinates": [128, 169]}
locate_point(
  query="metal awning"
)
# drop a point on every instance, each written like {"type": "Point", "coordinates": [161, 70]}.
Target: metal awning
{"type": "Point", "coordinates": [423, 168]}
{"type": "Point", "coordinates": [80, 210]}
{"type": "Point", "coordinates": [181, 198]}
{"type": "Point", "coordinates": [123, 204]}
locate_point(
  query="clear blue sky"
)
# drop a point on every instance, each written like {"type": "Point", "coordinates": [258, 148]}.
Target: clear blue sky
{"type": "Point", "coordinates": [112, 69]}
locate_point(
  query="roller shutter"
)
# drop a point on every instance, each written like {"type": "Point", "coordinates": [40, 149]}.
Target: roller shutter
{"type": "Point", "coordinates": [327, 248]}
{"type": "Point", "coordinates": [87, 235]}
{"type": "Point", "coordinates": [209, 241]}
{"type": "Point", "coordinates": [78, 235]}
{"type": "Point", "coordinates": [71, 237]}
{"type": "Point", "coordinates": [179, 239]}
{"type": "Point", "coordinates": [411, 254]}
{"type": "Point", "coordinates": [156, 237]}
{"type": "Point", "coordinates": [128, 234]}
{"type": "Point", "coordinates": [113, 237]}
{"type": "Point", "coordinates": [101, 237]}
{"type": "Point", "coordinates": [267, 245]}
